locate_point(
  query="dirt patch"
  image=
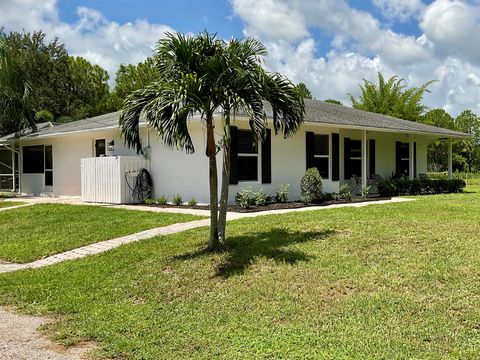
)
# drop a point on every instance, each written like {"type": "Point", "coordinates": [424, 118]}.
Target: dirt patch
{"type": "Point", "coordinates": [20, 340]}
{"type": "Point", "coordinates": [273, 206]}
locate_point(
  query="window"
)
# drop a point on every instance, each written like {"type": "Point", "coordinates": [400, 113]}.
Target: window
{"type": "Point", "coordinates": [99, 147]}
{"type": "Point", "coordinates": [404, 159]}
{"type": "Point", "coordinates": [247, 156]}
{"type": "Point", "coordinates": [321, 154]}
{"type": "Point", "coordinates": [33, 159]}
{"type": "Point", "coordinates": [356, 157]}
{"type": "Point", "coordinates": [48, 166]}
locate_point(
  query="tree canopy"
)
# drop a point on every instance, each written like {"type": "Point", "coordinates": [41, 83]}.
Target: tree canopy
{"type": "Point", "coordinates": [304, 91]}
{"type": "Point", "coordinates": [392, 97]}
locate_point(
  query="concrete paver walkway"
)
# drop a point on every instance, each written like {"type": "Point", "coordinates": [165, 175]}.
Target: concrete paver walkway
{"type": "Point", "coordinates": [103, 246]}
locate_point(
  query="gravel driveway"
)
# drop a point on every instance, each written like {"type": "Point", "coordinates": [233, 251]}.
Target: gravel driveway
{"type": "Point", "coordinates": [20, 340]}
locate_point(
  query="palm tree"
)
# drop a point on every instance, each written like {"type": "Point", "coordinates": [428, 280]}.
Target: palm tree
{"type": "Point", "coordinates": [392, 97]}
{"type": "Point", "coordinates": [200, 75]}
{"type": "Point", "coordinates": [15, 94]}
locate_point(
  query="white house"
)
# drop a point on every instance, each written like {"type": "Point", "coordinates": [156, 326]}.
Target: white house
{"type": "Point", "coordinates": [338, 140]}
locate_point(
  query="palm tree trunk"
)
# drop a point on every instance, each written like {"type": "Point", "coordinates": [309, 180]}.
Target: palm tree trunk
{"type": "Point", "coordinates": [213, 242]}
{"type": "Point", "coordinates": [222, 218]}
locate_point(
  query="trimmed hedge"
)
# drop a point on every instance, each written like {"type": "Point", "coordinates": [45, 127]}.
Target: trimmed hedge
{"type": "Point", "coordinates": [395, 187]}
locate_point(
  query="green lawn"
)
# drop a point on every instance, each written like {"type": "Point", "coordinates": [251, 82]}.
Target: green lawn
{"type": "Point", "coordinates": [4, 204]}
{"type": "Point", "coordinates": [33, 232]}
{"type": "Point", "coordinates": [390, 281]}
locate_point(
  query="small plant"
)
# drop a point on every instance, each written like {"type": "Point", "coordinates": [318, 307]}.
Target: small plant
{"type": "Point", "coordinates": [282, 194]}
{"type": "Point", "coordinates": [162, 200]}
{"type": "Point", "coordinates": [149, 201]}
{"type": "Point", "coordinates": [311, 185]}
{"type": "Point", "coordinates": [344, 192]}
{"type": "Point", "coordinates": [260, 198]}
{"type": "Point", "coordinates": [192, 202]}
{"type": "Point", "coordinates": [305, 199]}
{"type": "Point", "coordinates": [177, 200]}
{"type": "Point", "coordinates": [366, 191]}
{"type": "Point", "coordinates": [244, 198]}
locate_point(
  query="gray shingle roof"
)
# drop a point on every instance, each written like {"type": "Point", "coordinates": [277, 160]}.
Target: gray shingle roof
{"type": "Point", "coordinates": [316, 111]}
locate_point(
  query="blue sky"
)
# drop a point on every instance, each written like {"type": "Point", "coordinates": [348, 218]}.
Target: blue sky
{"type": "Point", "coordinates": [330, 45]}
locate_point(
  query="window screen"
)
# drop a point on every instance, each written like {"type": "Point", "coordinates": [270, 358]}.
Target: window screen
{"type": "Point", "coordinates": [33, 159]}
{"type": "Point", "coordinates": [99, 147]}
{"type": "Point", "coordinates": [247, 156]}
{"type": "Point", "coordinates": [321, 155]}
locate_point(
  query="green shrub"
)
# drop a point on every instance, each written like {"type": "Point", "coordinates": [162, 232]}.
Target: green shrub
{"type": "Point", "coordinates": [327, 197]}
{"type": "Point", "coordinates": [177, 200]}
{"type": "Point", "coordinates": [311, 185]}
{"type": "Point", "coordinates": [366, 191]}
{"type": "Point", "coordinates": [162, 200]}
{"type": "Point", "coordinates": [44, 116]}
{"type": "Point", "coordinates": [395, 187]}
{"type": "Point", "coordinates": [244, 198]}
{"type": "Point", "coordinates": [260, 198]}
{"type": "Point", "coordinates": [305, 199]}
{"type": "Point", "coordinates": [344, 192]}
{"type": "Point", "coordinates": [282, 194]}
{"type": "Point", "coordinates": [149, 201]}
{"type": "Point", "coordinates": [192, 202]}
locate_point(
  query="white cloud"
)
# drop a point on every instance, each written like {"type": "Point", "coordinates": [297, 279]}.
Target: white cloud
{"type": "Point", "coordinates": [93, 36]}
{"type": "Point", "coordinates": [361, 46]}
{"type": "Point", "coordinates": [401, 10]}
{"type": "Point", "coordinates": [453, 27]}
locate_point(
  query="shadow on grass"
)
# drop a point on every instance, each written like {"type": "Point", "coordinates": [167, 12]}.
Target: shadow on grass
{"type": "Point", "coordinates": [242, 251]}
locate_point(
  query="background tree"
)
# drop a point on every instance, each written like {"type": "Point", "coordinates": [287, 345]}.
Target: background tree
{"type": "Point", "coordinates": [63, 85]}
{"type": "Point", "coordinates": [392, 98]}
{"type": "Point", "coordinates": [15, 94]}
{"type": "Point", "coordinates": [134, 77]}
{"type": "Point", "coordinates": [333, 101]}
{"type": "Point", "coordinates": [437, 152]}
{"type": "Point", "coordinates": [203, 74]}
{"type": "Point", "coordinates": [304, 91]}
{"type": "Point", "coordinates": [467, 121]}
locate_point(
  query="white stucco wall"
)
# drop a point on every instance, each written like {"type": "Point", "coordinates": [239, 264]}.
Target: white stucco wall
{"type": "Point", "coordinates": [173, 171]}
{"type": "Point", "coordinates": [67, 152]}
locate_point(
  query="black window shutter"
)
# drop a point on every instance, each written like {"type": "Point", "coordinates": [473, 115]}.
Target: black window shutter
{"type": "Point", "coordinates": [267, 158]}
{"type": "Point", "coordinates": [335, 157]}
{"type": "Point", "coordinates": [346, 159]}
{"type": "Point", "coordinates": [398, 158]}
{"type": "Point", "coordinates": [310, 140]}
{"type": "Point", "coordinates": [233, 155]}
{"type": "Point", "coordinates": [414, 159]}
{"type": "Point", "coordinates": [372, 158]}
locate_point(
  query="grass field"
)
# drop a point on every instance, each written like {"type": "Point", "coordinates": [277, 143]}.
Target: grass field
{"type": "Point", "coordinates": [32, 232]}
{"type": "Point", "coordinates": [4, 204]}
{"type": "Point", "coordinates": [390, 281]}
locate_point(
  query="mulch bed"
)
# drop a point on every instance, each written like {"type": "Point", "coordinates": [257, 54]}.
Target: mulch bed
{"type": "Point", "coordinates": [274, 206]}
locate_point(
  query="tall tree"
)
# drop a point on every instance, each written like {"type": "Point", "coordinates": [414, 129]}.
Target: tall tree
{"type": "Point", "coordinates": [392, 98]}
{"type": "Point", "coordinates": [304, 91]}
{"type": "Point", "coordinates": [16, 110]}
{"type": "Point", "coordinates": [468, 122]}
{"type": "Point", "coordinates": [134, 77]}
{"type": "Point", "coordinates": [63, 85]}
{"type": "Point", "coordinates": [203, 74]}
{"type": "Point", "coordinates": [437, 153]}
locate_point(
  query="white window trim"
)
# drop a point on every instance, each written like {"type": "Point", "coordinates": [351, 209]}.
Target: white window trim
{"type": "Point", "coordinates": [328, 156]}
{"type": "Point", "coordinates": [259, 166]}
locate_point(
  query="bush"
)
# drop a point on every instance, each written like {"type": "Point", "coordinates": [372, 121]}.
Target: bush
{"type": "Point", "coordinates": [192, 202]}
{"type": "Point", "coordinates": [306, 199]}
{"type": "Point", "coordinates": [311, 185]}
{"type": "Point", "coordinates": [162, 200]}
{"type": "Point", "coordinates": [177, 200]}
{"type": "Point", "coordinates": [149, 201]}
{"type": "Point", "coordinates": [244, 198]}
{"type": "Point", "coordinates": [260, 198]}
{"type": "Point", "coordinates": [395, 187]}
{"type": "Point", "coordinates": [366, 191]}
{"type": "Point", "coordinates": [344, 192]}
{"type": "Point", "coordinates": [44, 116]}
{"type": "Point", "coordinates": [282, 194]}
